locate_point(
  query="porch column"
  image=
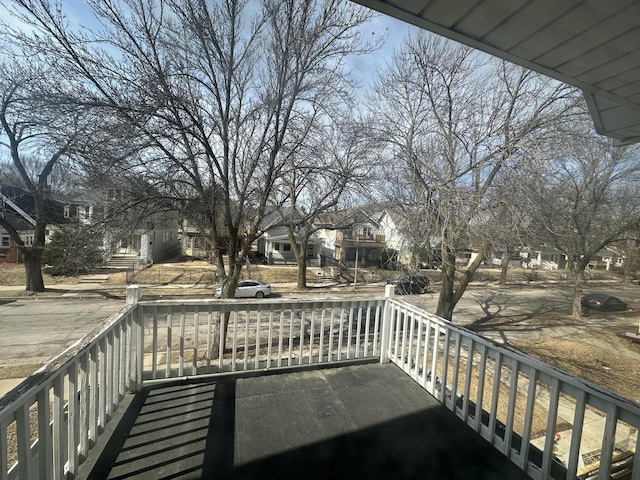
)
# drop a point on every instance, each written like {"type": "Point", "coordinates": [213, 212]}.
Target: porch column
{"type": "Point", "coordinates": [389, 293]}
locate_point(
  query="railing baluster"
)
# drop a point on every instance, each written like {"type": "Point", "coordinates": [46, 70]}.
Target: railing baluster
{"type": "Point", "coordinates": [403, 340]}
{"type": "Point", "coordinates": [246, 338]}
{"type": "Point", "coordinates": [410, 345]}
{"type": "Point", "coordinates": [358, 330]}
{"type": "Point", "coordinates": [511, 407]}
{"type": "Point", "coordinates": [425, 355]}
{"type": "Point", "coordinates": [528, 419]}
{"type": "Point", "coordinates": [222, 316]}
{"type": "Point", "coordinates": [291, 321]}
{"type": "Point", "coordinates": [576, 434]}
{"type": "Point", "coordinates": [116, 366]}
{"type": "Point", "coordinates": [102, 387]}
{"type": "Point", "coordinates": [4, 448]}
{"type": "Point", "coordinates": [58, 424]}
{"type": "Point", "coordinates": [467, 380]}
{"type": "Point", "coordinates": [258, 348]}
{"type": "Point", "coordinates": [209, 337]}
{"type": "Point", "coordinates": [23, 442]}
{"type": "Point", "coordinates": [376, 329]}
{"type": "Point", "coordinates": [340, 333]}
{"type": "Point", "coordinates": [416, 373]}
{"type": "Point", "coordinates": [608, 441]}
{"type": "Point", "coordinates": [234, 344]}
{"type": "Point", "coordinates": [434, 359]}
{"type": "Point", "coordinates": [482, 368]}
{"type": "Point", "coordinates": [270, 338]}
{"type": "Point", "coordinates": [167, 372]}
{"type": "Point", "coordinates": [552, 417]}
{"type": "Point", "coordinates": [321, 342]}
{"type": "Point", "coordinates": [154, 344]}
{"type": "Point", "coordinates": [301, 349]}
{"type": "Point", "coordinates": [331, 333]}
{"type": "Point", "coordinates": [94, 396]}
{"type": "Point", "coordinates": [312, 332]}
{"type": "Point", "coordinates": [45, 443]}
{"type": "Point", "coordinates": [109, 384]}
{"type": "Point", "coordinates": [349, 330]}
{"type": "Point", "coordinates": [456, 373]}
{"type": "Point", "coordinates": [495, 393]}
{"type": "Point", "coordinates": [257, 359]}
{"type": "Point", "coordinates": [181, 342]}
{"type": "Point", "coordinates": [84, 404]}
{"type": "Point", "coordinates": [635, 475]}
{"type": "Point", "coordinates": [445, 368]}
{"type": "Point", "coordinates": [280, 337]}
{"type": "Point", "coordinates": [73, 422]}
{"type": "Point", "coordinates": [367, 325]}
{"type": "Point", "coordinates": [196, 340]}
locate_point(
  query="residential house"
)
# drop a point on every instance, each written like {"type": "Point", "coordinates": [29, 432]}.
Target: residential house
{"type": "Point", "coordinates": [151, 239]}
{"type": "Point", "coordinates": [274, 245]}
{"type": "Point", "coordinates": [607, 259]}
{"type": "Point", "coordinates": [351, 236]}
{"type": "Point", "coordinates": [18, 209]}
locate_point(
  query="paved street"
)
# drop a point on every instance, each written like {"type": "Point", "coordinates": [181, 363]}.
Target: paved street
{"type": "Point", "coordinates": [32, 331]}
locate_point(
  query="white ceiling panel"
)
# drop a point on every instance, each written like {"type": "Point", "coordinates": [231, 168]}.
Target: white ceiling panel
{"type": "Point", "coordinates": [587, 43]}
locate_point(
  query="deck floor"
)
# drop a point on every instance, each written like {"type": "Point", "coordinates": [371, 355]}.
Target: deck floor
{"type": "Point", "coordinates": [356, 422]}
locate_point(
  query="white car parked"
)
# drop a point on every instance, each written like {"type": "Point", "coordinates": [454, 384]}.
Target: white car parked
{"type": "Point", "coordinates": [249, 288]}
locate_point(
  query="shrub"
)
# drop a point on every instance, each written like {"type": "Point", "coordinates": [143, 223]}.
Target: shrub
{"type": "Point", "coordinates": [72, 252]}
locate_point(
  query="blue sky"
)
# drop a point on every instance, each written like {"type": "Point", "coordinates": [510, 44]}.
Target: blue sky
{"type": "Point", "coordinates": [363, 68]}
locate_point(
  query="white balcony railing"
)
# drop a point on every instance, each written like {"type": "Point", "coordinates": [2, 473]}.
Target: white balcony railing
{"type": "Point", "coordinates": [549, 423]}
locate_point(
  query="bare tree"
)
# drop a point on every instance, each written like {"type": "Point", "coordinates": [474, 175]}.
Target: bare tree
{"type": "Point", "coordinates": [583, 192]}
{"type": "Point", "coordinates": [38, 136]}
{"type": "Point", "coordinates": [223, 94]}
{"type": "Point", "coordinates": [320, 177]}
{"type": "Point", "coordinates": [452, 120]}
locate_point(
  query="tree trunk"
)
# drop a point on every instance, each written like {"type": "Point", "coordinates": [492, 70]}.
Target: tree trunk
{"type": "Point", "coordinates": [578, 283]}
{"type": "Point", "coordinates": [504, 266]}
{"type": "Point", "coordinates": [300, 252]}
{"type": "Point", "coordinates": [302, 274]}
{"type": "Point", "coordinates": [445, 299]}
{"type": "Point", "coordinates": [33, 269]}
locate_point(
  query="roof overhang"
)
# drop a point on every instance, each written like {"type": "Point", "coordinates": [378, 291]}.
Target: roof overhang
{"type": "Point", "coordinates": [591, 44]}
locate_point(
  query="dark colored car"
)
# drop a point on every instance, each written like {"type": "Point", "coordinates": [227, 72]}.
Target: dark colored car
{"type": "Point", "coordinates": [603, 302]}
{"type": "Point", "coordinates": [412, 283]}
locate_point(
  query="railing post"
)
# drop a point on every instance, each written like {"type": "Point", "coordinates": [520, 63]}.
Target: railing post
{"type": "Point", "coordinates": [133, 297]}
{"type": "Point", "coordinates": [389, 292]}
{"type": "Point", "coordinates": [133, 294]}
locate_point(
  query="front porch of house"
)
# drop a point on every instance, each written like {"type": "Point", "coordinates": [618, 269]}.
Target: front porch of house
{"type": "Point", "coordinates": [360, 421]}
{"type": "Point", "coordinates": [346, 387]}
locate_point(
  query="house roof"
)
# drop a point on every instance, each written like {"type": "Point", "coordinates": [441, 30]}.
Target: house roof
{"type": "Point", "coordinates": [590, 44]}
{"type": "Point", "coordinates": [18, 208]}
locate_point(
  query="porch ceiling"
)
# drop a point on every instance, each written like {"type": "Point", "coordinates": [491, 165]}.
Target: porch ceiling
{"type": "Point", "coordinates": [592, 44]}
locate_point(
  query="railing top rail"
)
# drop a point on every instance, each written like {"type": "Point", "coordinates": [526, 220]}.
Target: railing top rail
{"type": "Point", "coordinates": [239, 303]}
{"type": "Point", "coordinates": [576, 382]}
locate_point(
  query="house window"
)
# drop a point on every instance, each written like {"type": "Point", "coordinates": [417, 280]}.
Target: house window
{"type": "Point", "coordinates": [5, 241]}
{"type": "Point", "coordinates": [276, 247]}
{"type": "Point", "coordinates": [286, 247]}
{"type": "Point", "coordinates": [28, 240]}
